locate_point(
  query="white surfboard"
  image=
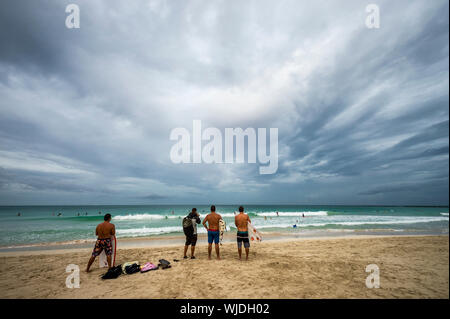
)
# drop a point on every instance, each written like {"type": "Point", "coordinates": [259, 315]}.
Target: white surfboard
{"type": "Point", "coordinates": [102, 257]}
{"type": "Point", "coordinates": [253, 234]}
{"type": "Point", "coordinates": [222, 229]}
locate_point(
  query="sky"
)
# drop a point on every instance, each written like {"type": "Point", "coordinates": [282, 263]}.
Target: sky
{"type": "Point", "coordinates": [86, 113]}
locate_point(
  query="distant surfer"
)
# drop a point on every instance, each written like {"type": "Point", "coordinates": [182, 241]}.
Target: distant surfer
{"type": "Point", "coordinates": [18, 214]}
{"type": "Point", "coordinates": [241, 221]}
{"type": "Point", "coordinates": [213, 231]}
{"type": "Point", "coordinates": [278, 214]}
{"type": "Point", "coordinates": [303, 215]}
{"type": "Point", "coordinates": [190, 230]}
{"type": "Point", "coordinates": [104, 232]}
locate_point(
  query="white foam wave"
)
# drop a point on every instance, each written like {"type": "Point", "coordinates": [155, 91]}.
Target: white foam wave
{"type": "Point", "coordinates": [149, 231]}
{"type": "Point", "coordinates": [227, 214]}
{"type": "Point", "coordinates": [136, 232]}
{"type": "Point", "coordinates": [144, 217]}
{"type": "Point", "coordinates": [407, 220]}
{"type": "Point", "coordinates": [293, 214]}
{"type": "Point", "coordinates": [444, 214]}
{"type": "Point", "coordinates": [301, 223]}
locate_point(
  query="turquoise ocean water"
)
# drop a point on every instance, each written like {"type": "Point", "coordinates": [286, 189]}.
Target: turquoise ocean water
{"type": "Point", "coordinates": [41, 224]}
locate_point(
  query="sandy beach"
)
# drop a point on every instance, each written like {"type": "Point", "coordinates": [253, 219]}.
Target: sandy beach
{"type": "Point", "coordinates": [410, 267]}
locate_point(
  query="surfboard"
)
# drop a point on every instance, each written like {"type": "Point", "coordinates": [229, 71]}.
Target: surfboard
{"type": "Point", "coordinates": [102, 257]}
{"type": "Point", "coordinates": [253, 234]}
{"type": "Point", "coordinates": [222, 229]}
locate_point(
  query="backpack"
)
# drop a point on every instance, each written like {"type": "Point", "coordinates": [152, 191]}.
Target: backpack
{"type": "Point", "coordinates": [129, 263]}
{"type": "Point", "coordinates": [164, 264]}
{"type": "Point", "coordinates": [113, 272]}
{"type": "Point", "coordinates": [188, 228]}
{"type": "Point", "coordinates": [131, 269]}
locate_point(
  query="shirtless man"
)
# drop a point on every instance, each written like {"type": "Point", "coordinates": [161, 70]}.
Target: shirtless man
{"type": "Point", "coordinates": [104, 232]}
{"type": "Point", "coordinates": [213, 230]}
{"type": "Point", "coordinates": [241, 221]}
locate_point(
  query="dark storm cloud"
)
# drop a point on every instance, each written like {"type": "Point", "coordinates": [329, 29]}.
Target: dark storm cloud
{"type": "Point", "coordinates": [408, 188]}
{"type": "Point", "coordinates": [86, 114]}
{"type": "Point", "coordinates": [153, 197]}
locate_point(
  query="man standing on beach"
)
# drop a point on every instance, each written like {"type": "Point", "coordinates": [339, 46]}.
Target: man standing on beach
{"type": "Point", "coordinates": [104, 232]}
{"type": "Point", "coordinates": [191, 232]}
{"type": "Point", "coordinates": [213, 231]}
{"type": "Point", "coordinates": [241, 221]}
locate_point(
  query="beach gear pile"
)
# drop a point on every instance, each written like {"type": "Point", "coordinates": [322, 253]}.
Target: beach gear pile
{"type": "Point", "coordinates": [133, 267]}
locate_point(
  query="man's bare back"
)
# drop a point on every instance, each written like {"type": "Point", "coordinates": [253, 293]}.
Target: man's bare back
{"type": "Point", "coordinates": [241, 221]}
{"type": "Point", "coordinates": [105, 230]}
{"type": "Point", "coordinates": [213, 221]}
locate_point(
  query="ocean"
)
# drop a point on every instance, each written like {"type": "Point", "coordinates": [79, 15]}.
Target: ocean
{"type": "Point", "coordinates": [49, 224]}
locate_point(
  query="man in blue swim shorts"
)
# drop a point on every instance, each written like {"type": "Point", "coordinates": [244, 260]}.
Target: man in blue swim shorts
{"type": "Point", "coordinates": [213, 230]}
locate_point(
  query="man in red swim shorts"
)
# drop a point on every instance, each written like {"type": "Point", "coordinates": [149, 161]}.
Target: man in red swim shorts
{"type": "Point", "coordinates": [104, 232]}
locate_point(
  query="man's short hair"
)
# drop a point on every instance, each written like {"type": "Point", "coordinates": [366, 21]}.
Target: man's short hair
{"type": "Point", "coordinates": [241, 209]}
{"type": "Point", "coordinates": [107, 217]}
{"type": "Point", "coordinates": [194, 210]}
{"type": "Point", "coordinates": [213, 208]}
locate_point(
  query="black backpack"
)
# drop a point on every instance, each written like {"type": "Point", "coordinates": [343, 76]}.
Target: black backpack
{"type": "Point", "coordinates": [113, 272]}
{"type": "Point", "coordinates": [164, 264]}
{"type": "Point", "coordinates": [131, 269]}
{"type": "Point", "coordinates": [188, 228]}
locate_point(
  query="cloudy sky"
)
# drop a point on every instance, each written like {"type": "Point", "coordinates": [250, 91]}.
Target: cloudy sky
{"type": "Point", "coordinates": [86, 114]}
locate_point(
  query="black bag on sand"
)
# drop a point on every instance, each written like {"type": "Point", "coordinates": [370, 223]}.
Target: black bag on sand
{"type": "Point", "coordinates": [113, 272]}
{"type": "Point", "coordinates": [131, 269]}
{"type": "Point", "coordinates": [164, 264]}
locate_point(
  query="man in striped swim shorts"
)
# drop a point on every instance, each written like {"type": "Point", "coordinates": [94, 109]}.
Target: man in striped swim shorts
{"type": "Point", "coordinates": [241, 221]}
